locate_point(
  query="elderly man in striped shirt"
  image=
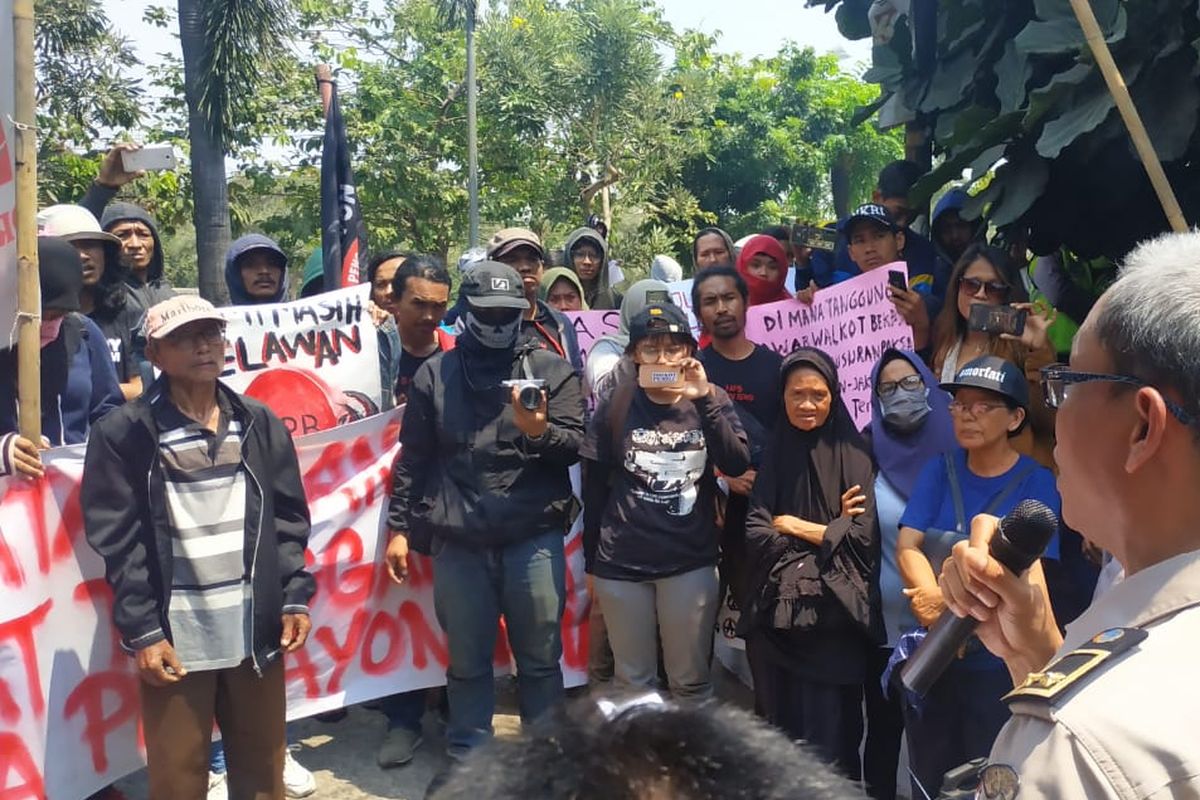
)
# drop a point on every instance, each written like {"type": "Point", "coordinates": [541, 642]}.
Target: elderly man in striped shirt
{"type": "Point", "coordinates": [192, 495]}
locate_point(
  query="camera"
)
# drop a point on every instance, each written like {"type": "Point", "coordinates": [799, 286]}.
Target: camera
{"type": "Point", "coordinates": [529, 392]}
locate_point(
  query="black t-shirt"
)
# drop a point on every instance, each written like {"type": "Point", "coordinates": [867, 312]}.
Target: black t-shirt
{"type": "Point", "coordinates": [408, 366]}
{"type": "Point", "coordinates": [660, 516]}
{"type": "Point", "coordinates": [753, 385]}
{"type": "Point", "coordinates": [118, 333]}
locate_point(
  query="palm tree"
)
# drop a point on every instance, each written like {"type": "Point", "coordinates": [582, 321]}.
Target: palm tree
{"type": "Point", "coordinates": [465, 12]}
{"type": "Point", "coordinates": [226, 44]}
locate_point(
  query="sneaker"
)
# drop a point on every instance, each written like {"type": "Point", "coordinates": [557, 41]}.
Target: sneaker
{"type": "Point", "coordinates": [297, 781]}
{"type": "Point", "coordinates": [218, 787]}
{"type": "Point", "coordinates": [399, 747]}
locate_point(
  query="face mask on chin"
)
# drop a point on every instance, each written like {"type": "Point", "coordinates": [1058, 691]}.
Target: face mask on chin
{"type": "Point", "coordinates": [49, 329]}
{"type": "Point", "coordinates": [905, 410]}
{"type": "Point", "coordinates": [494, 336]}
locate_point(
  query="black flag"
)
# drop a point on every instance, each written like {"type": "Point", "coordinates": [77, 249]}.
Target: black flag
{"type": "Point", "coordinates": [343, 234]}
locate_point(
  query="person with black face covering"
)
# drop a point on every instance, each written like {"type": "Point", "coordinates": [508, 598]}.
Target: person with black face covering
{"type": "Point", "coordinates": [79, 384]}
{"type": "Point", "coordinates": [810, 612]}
{"type": "Point", "coordinates": [910, 424]}
{"type": "Point", "coordinates": [482, 485]}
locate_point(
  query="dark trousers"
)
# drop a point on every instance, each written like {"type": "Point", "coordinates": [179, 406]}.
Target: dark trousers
{"type": "Point", "coordinates": [885, 727]}
{"type": "Point", "coordinates": [178, 725]}
{"type": "Point", "coordinates": [825, 715]}
{"type": "Point", "coordinates": [957, 721]}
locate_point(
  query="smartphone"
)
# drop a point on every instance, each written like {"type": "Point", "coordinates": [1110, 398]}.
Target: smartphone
{"type": "Point", "coordinates": [660, 376]}
{"type": "Point", "coordinates": [152, 158]}
{"type": "Point", "coordinates": [897, 280]}
{"type": "Point", "coordinates": [814, 238]}
{"type": "Point", "coordinates": [997, 319]}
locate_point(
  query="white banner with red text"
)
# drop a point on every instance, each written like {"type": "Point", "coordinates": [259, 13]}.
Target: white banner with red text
{"type": "Point", "coordinates": [69, 721]}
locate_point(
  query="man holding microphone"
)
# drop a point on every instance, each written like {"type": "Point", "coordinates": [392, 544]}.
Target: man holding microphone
{"type": "Point", "coordinates": [1109, 710]}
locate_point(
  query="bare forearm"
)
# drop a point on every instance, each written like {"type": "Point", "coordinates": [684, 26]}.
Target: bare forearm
{"type": "Point", "coordinates": [915, 569]}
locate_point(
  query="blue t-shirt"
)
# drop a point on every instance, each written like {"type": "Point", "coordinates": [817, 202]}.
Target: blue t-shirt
{"type": "Point", "coordinates": [931, 510]}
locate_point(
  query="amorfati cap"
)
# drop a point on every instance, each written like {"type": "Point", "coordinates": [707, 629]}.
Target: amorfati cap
{"type": "Point", "coordinates": [170, 315]}
{"type": "Point", "coordinates": [994, 374]}
{"type": "Point", "coordinates": [491, 284]}
{"type": "Point", "coordinates": [659, 318]}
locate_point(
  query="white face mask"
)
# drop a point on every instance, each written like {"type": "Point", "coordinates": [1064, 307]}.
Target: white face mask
{"type": "Point", "coordinates": [497, 337]}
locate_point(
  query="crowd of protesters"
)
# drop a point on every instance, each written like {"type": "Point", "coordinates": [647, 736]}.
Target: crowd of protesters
{"type": "Point", "coordinates": [714, 470]}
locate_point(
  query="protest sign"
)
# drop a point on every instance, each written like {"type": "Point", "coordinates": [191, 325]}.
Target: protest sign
{"type": "Point", "coordinates": [314, 362]}
{"type": "Point", "coordinates": [854, 322]}
{"type": "Point", "coordinates": [8, 184]}
{"type": "Point", "coordinates": [69, 721]}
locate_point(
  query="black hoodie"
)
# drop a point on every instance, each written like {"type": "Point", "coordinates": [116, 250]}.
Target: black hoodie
{"type": "Point", "coordinates": [155, 289]}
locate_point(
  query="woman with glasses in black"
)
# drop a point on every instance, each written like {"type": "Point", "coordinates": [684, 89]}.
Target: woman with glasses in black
{"type": "Point", "coordinates": [958, 719]}
{"type": "Point", "coordinates": [986, 275]}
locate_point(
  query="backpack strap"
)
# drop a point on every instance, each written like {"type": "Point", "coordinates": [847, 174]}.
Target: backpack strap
{"type": "Point", "coordinates": [960, 513]}
{"type": "Point", "coordinates": [618, 412]}
{"type": "Point", "coordinates": [1009, 488]}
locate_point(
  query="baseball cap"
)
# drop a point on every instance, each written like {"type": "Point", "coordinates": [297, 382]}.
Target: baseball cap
{"type": "Point", "coordinates": [73, 223]}
{"type": "Point", "coordinates": [509, 239]}
{"type": "Point", "coordinates": [873, 212]}
{"type": "Point", "coordinates": [994, 374]}
{"type": "Point", "coordinates": [659, 318]}
{"type": "Point", "coordinates": [170, 315]}
{"type": "Point", "coordinates": [491, 284]}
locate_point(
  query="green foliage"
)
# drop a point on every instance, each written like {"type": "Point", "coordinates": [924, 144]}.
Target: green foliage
{"type": "Point", "coordinates": [1017, 81]}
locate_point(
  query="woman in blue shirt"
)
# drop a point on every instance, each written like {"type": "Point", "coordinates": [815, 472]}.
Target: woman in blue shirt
{"type": "Point", "coordinates": [960, 716]}
{"type": "Point", "coordinates": [910, 423]}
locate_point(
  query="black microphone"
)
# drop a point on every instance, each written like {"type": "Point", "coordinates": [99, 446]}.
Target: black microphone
{"type": "Point", "coordinates": [1023, 535]}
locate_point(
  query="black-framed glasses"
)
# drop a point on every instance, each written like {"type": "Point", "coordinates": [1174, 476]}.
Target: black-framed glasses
{"type": "Point", "coordinates": [909, 383]}
{"type": "Point", "coordinates": [213, 334]}
{"type": "Point", "coordinates": [1057, 379]}
{"type": "Point", "coordinates": [977, 409]}
{"type": "Point", "coordinates": [994, 290]}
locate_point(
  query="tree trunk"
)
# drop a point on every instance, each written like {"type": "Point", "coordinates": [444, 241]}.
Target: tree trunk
{"type": "Point", "coordinates": [839, 181]}
{"type": "Point", "coordinates": [209, 191]}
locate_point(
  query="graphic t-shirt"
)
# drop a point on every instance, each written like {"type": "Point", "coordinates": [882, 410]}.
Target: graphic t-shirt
{"type": "Point", "coordinates": [406, 369]}
{"type": "Point", "coordinates": [660, 518]}
{"type": "Point", "coordinates": [753, 385]}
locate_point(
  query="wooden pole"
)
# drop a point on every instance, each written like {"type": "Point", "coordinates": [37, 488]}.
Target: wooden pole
{"type": "Point", "coordinates": [1129, 113]}
{"type": "Point", "coordinates": [325, 86]}
{"type": "Point", "coordinates": [29, 294]}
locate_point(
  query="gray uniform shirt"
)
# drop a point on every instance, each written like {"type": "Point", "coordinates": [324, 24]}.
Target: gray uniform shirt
{"type": "Point", "coordinates": [1132, 729]}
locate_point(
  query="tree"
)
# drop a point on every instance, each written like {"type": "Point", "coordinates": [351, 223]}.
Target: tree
{"type": "Point", "coordinates": [466, 11]}
{"type": "Point", "coordinates": [228, 46]}
{"type": "Point", "coordinates": [1016, 82]}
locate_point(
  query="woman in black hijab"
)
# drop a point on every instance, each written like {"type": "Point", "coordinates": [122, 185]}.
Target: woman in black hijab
{"type": "Point", "coordinates": [811, 608]}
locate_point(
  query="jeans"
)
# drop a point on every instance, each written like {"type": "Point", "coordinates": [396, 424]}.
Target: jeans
{"type": "Point", "coordinates": [526, 582]}
{"type": "Point", "coordinates": [404, 710]}
{"type": "Point", "coordinates": [681, 610]}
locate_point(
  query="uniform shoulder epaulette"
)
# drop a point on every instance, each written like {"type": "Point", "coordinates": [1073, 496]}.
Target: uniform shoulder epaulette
{"type": "Point", "coordinates": [1064, 675]}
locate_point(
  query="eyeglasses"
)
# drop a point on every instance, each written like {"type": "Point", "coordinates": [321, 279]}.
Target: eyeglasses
{"type": "Point", "coordinates": [212, 335]}
{"type": "Point", "coordinates": [652, 352]}
{"type": "Point", "coordinates": [909, 383]}
{"type": "Point", "coordinates": [977, 409]}
{"type": "Point", "coordinates": [1058, 378]}
{"type": "Point", "coordinates": [993, 290]}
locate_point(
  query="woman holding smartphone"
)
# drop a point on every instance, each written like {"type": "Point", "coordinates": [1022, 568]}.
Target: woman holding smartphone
{"type": "Point", "coordinates": [986, 275]}
{"type": "Point", "coordinates": [650, 529]}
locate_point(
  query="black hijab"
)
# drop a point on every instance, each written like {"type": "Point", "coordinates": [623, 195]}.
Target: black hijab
{"type": "Point", "coordinates": [793, 584]}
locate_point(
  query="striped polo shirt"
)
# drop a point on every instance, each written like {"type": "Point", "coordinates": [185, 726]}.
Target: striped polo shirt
{"type": "Point", "coordinates": [209, 612]}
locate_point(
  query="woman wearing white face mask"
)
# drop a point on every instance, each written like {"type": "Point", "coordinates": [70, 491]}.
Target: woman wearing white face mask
{"type": "Point", "coordinates": [79, 384]}
{"type": "Point", "coordinates": [910, 424]}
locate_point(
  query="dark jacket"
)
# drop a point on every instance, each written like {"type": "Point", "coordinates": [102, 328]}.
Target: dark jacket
{"type": "Point", "coordinates": [126, 521]}
{"type": "Point", "coordinates": [78, 383]}
{"type": "Point", "coordinates": [600, 296]}
{"type": "Point", "coordinates": [238, 296]}
{"type": "Point", "coordinates": [466, 473]}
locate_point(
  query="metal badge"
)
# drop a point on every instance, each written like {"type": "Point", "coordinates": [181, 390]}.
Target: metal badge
{"type": "Point", "coordinates": [998, 782]}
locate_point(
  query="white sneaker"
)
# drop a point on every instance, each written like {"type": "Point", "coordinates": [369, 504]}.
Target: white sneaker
{"type": "Point", "coordinates": [218, 787]}
{"type": "Point", "coordinates": [297, 781]}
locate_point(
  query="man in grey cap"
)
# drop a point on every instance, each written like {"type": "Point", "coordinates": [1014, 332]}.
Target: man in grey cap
{"type": "Point", "coordinates": [522, 250]}
{"type": "Point", "coordinates": [482, 485]}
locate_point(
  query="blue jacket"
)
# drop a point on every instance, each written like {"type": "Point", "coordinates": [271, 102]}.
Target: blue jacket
{"type": "Point", "coordinates": [79, 385]}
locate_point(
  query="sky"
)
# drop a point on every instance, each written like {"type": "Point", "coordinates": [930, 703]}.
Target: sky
{"type": "Point", "coordinates": [750, 27]}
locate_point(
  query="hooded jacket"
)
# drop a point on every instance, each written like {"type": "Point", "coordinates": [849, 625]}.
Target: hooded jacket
{"type": "Point", "coordinates": [607, 351]}
{"type": "Point", "coordinates": [238, 296]}
{"type": "Point", "coordinates": [155, 289]}
{"type": "Point", "coordinates": [126, 520]}
{"type": "Point", "coordinates": [466, 473]}
{"type": "Point", "coordinates": [708, 232]}
{"type": "Point", "coordinates": [552, 276]}
{"type": "Point", "coordinates": [553, 331]}
{"type": "Point", "coordinates": [599, 295]}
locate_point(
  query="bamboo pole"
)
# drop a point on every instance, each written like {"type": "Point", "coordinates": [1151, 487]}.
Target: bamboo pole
{"type": "Point", "coordinates": [1129, 113]}
{"type": "Point", "coordinates": [29, 295]}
